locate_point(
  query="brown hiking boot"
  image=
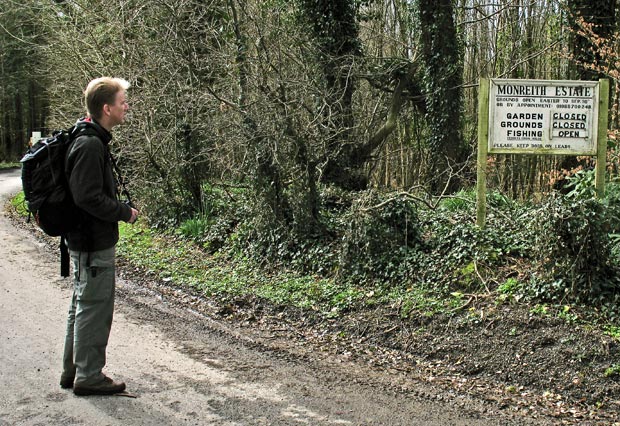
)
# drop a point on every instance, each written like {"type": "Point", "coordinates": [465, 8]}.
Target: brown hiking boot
{"type": "Point", "coordinates": [106, 387]}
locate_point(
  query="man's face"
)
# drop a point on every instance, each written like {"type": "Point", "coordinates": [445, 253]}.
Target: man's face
{"type": "Point", "coordinates": [118, 110]}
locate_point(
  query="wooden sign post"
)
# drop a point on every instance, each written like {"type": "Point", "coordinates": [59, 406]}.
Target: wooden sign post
{"type": "Point", "coordinates": [541, 117]}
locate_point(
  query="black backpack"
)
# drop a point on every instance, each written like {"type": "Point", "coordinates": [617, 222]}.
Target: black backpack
{"type": "Point", "coordinates": [46, 188]}
{"type": "Point", "coordinates": [45, 185]}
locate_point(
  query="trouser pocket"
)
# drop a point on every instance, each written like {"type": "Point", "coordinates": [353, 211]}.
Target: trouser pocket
{"type": "Point", "coordinates": [95, 276]}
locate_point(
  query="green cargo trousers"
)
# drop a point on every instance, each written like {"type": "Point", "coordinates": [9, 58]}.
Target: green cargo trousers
{"type": "Point", "coordinates": [90, 315]}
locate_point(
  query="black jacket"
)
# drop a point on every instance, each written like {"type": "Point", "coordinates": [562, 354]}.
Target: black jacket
{"type": "Point", "coordinates": [93, 187]}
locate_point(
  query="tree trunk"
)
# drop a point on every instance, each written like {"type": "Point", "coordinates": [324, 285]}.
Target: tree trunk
{"type": "Point", "coordinates": [444, 70]}
{"type": "Point", "coordinates": [335, 32]}
{"type": "Point", "coordinates": [18, 143]}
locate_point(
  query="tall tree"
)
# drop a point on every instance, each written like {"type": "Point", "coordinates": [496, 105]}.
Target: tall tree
{"type": "Point", "coordinates": [443, 82]}
{"type": "Point", "coordinates": [22, 94]}
{"type": "Point", "coordinates": [336, 34]}
{"type": "Point", "coordinates": [350, 141]}
{"type": "Point", "coordinates": [268, 180]}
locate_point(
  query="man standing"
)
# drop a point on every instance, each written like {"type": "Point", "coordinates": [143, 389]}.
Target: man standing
{"type": "Point", "coordinates": [92, 245]}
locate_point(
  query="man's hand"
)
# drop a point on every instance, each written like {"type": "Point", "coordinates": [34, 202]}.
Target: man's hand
{"type": "Point", "coordinates": [134, 215]}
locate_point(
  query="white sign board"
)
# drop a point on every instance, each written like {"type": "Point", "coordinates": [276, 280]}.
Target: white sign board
{"type": "Point", "coordinates": [543, 117]}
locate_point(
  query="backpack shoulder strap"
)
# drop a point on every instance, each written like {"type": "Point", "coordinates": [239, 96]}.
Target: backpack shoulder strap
{"type": "Point", "coordinates": [120, 180]}
{"type": "Point", "coordinates": [64, 257]}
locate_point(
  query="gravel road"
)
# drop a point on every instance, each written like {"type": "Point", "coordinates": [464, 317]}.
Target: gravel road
{"type": "Point", "coordinates": [181, 367]}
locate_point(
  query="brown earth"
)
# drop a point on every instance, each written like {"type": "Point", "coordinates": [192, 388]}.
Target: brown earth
{"type": "Point", "coordinates": [494, 358]}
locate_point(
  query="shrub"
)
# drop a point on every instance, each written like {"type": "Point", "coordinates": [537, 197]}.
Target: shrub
{"type": "Point", "coordinates": [220, 214]}
{"type": "Point", "coordinates": [164, 208]}
{"type": "Point", "coordinates": [575, 249]}
{"type": "Point", "coordinates": [379, 237]}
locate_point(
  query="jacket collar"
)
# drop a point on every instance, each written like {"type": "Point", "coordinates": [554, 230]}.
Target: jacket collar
{"type": "Point", "coordinates": [89, 125]}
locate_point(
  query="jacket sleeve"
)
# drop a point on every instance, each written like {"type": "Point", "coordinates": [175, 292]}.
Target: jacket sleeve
{"type": "Point", "coordinates": [90, 184]}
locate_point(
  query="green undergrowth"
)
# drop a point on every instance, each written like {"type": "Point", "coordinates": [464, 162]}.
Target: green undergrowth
{"type": "Point", "coordinates": [373, 249]}
{"type": "Point", "coordinates": [19, 204]}
{"type": "Point", "coordinates": [171, 259]}
{"type": "Point", "coordinates": [168, 258]}
{"type": "Point", "coordinates": [559, 256]}
{"type": "Point", "coordinates": [4, 165]}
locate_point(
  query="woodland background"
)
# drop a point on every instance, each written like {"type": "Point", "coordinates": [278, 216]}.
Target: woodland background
{"type": "Point", "coordinates": [334, 137]}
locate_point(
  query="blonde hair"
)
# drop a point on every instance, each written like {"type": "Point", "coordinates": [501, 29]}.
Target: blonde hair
{"type": "Point", "coordinates": [102, 91]}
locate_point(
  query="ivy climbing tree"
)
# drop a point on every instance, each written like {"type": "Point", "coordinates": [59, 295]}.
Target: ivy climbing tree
{"type": "Point", "coordinates": [443, 82]}
{"type": "Point", "coordinates": [335, 33]}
